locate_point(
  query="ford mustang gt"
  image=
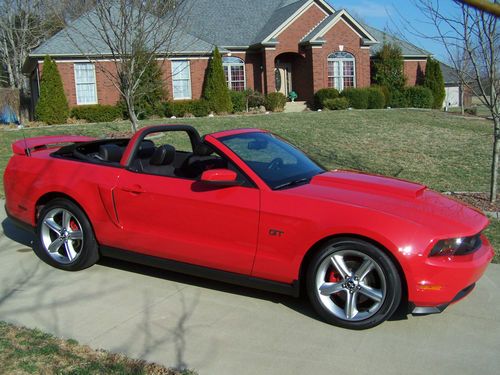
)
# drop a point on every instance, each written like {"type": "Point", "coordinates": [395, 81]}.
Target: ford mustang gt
{"type": "Point", "coordinates": [247, 207]}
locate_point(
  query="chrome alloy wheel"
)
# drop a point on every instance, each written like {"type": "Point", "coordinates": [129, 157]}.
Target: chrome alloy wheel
{"type": "Point", "coordinates": [351, 285]}
{"type": "Point", "coordinates": [62, 235]}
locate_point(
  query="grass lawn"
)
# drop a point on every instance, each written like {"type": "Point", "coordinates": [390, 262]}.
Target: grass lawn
{"type": "Point", "coordinates": [443, 151]}
{"type": "Point", "coordinates": [27, 351]}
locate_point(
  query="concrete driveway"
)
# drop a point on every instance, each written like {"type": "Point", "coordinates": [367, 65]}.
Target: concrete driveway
{"type": "Point", "coordinates": [215, 328]}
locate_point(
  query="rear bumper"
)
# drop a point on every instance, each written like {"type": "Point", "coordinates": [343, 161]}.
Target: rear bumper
{"type": "Point", "coordinates": [441, 281]}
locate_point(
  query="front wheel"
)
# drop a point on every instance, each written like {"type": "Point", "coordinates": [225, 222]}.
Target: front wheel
{"type": "Point", "coordinates": [353, 284]}
{"type": "Point", "coordinates": [64, 236]}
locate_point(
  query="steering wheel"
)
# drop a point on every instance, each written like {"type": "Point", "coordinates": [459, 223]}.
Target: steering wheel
{"type": "Point", "coordinates": [275, 164]}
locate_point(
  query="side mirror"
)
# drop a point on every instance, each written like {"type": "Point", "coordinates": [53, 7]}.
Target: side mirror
{"type": "Point", "coordinates": [220, 177]}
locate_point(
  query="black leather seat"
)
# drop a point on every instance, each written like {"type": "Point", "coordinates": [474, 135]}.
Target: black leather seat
{"type": "Point", "coordinates": [111, 153]}
{"type": "Point", "coordinates": [200, 160]}
{"type": "Point", "coordinates": [161, 163]}
{"type": "Point", "coordinates": [144, 153]}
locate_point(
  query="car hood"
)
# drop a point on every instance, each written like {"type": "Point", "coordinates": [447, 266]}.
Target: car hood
{"type": "Point", "coordinates": [407, 200]}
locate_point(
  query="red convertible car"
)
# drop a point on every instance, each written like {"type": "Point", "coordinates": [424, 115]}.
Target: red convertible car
{"type": "Point", "coordinates": [247, 207]}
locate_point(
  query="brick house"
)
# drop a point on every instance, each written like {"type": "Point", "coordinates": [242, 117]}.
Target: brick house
{"type": "Point", "coordinates": [267, 45]}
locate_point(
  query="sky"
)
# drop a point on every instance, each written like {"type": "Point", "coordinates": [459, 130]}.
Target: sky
{"type": "Point", "coordinates": [395, 16]}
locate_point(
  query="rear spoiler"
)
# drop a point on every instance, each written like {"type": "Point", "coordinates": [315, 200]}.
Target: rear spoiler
{"type": "Point", "coordinates": [25, 146]}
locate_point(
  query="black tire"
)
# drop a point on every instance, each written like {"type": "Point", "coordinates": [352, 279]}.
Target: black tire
{"type": "Point", "coordinates": [375, 297]}
{"type": "Point", "coordinates": [78, 248]}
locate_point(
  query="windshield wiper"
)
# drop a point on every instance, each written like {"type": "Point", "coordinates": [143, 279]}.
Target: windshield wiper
{"type": "Point", "coordinates": [300, 181]}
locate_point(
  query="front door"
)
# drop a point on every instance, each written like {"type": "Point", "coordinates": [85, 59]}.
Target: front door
{"type": "Point", "coordinates": [283, 78]}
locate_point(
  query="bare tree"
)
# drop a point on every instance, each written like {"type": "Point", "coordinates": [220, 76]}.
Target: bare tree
{"type": "Point", "coordinates": [130, 35]}
{"type": "Point", "coordinates": [24, 24]}
{"type": "Point", "coordinates": [471, 40]}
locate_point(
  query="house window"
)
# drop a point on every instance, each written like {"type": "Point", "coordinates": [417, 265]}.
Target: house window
{"type": "Point", "coordinates": [86, 87]}
{"type": "Point", "coordinates": [234, 69]}
{"type": "Point", "coordinates": [341, 70]}
{"type": "Point", "coordinates": [181, 79]}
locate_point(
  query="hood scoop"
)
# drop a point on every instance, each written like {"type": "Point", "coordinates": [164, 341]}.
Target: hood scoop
{"type": "Point", "coordinates": [351, 180]}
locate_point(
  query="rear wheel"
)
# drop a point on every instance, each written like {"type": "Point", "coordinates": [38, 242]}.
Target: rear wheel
{"type": "Point", "coordinates": [65, 238]}
{"type": "Point", "coordinates": [353, 284]}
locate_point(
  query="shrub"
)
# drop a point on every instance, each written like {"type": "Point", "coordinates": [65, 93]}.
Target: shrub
{"type": "Point", "coordinates": [324, 94]}
{"type": "Point", "coordinates": [471, 111]}
{"type": "Point", "coordinates": [435, 82]}
{"type": "Point", "coordinates": [215, 89]}
{"type": "Point", "coordinates": [255, 99]}
{"type": "Point", "coordinates": [151, 92]}
{"type": "Point", "coordinates": [239, 100]}
{"type": "Point", "coordinates": [419, 97]}
{"type": "Point", "coordinates": [388, 67]}
{"type": "Point", "coordinates": [358, 98]}
{"type": "Point", "coordinates": [336, 104]}
{"type": "Point", "coordinates": [97, 113]}
{"type": "Point", "coordinates": [398, 99]}
{"type": "Point", "coordinates": [199, 108]}
{"type": "Point", "coordinates": [180, 108]}
{"type": "Point", "coordinates": [52, 106]}
{"type": "Point", "coordinates": [376, 98]}
{"type": "Point", "coordinates": [275, 102]}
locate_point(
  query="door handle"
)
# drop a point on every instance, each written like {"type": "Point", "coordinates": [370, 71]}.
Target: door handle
{"type": "Point", "coordinates": [134, 189]}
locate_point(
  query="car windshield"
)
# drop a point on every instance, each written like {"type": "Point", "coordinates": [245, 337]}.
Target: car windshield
{"type": "Point", "coordinates": [276, 161]}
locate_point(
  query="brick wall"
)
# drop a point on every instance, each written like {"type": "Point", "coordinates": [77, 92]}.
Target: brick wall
{"type": "Point", "coordinates": [414, 71]}
{"type": "Point", "coordinates": [341, 35]}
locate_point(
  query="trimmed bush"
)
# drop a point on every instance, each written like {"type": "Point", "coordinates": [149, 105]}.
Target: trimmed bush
{"type": "Point", "coordinates": [52, 106]}
{"type": "Point", "coordinates": [239, 100]}
{"type": "Point", "coordinates": [358, 98]}
{"type": "Point", "coordinates": [376, 98]}
{"type": "Point", "coordinates": [215, 90]}
{"type": "Point", "coordinates": [180, 108]}
{"type": "Point", "coordinates": [336, 104]}
{"type": "Point", "coordinates": [255, 99]}
{"type": "Point", "coordinates": [97, 113]}
{"type": "Point", "coordinates": [200, 108]}
{"type": "Point", "coordinates": [398, 99]}
{"type": "Point", "coordinates": [435, 82]}
{"type": "Point", "coordinates": [419, 97]}
{"type": "Point", "coordinates": [275, 102]}
{"type": "Point", "coordinates": [324, 94]}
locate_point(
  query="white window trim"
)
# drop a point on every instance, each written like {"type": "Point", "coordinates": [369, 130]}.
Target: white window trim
{"type": "Point", "coordinates": [341, 60]}
{"type": "Point", "coordinates": [76, 84]}
{"type": "Point", "coordinates": [185, 79]}
{"type": "Point", "coordinates": [229, 73]}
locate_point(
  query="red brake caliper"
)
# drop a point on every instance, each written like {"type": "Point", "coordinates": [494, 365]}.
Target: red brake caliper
{"type": "Point", "coordinates": [73, 225]}
{"type": "Point", "coordinates": [333, 277]}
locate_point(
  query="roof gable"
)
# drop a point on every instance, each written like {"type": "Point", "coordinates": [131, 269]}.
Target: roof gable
{"type": "Point", "coordinates": [316, 35]}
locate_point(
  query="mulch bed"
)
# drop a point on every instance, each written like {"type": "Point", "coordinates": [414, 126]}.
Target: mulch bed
{"type": "Point", "coordinates": [478, 200]}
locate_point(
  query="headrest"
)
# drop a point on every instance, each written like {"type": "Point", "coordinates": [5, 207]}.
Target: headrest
{"type": "Point", "coordinates": [111, 152]}
{"type": "Point", "coordinates": [163, 155]}
{"type": "Point", "coordinates": [202, 149]}
{"type": "Point", "coordinates": [146, 149]}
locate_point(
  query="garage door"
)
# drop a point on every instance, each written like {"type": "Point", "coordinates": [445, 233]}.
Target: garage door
{"type": "Point", "coordinates": [452, 97]}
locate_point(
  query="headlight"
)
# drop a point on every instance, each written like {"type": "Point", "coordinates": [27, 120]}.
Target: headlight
{"type": "Point", "coordinates": [457, 246]}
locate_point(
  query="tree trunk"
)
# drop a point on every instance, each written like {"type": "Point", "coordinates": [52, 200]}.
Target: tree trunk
{"type": "Point", "coordinates": [462, 98]}
{"type": "Point", "coordinates": [494, 164]}
{"type": "Point", "coordinates": [134, 122]}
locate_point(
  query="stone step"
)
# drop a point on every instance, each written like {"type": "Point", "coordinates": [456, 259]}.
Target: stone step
{"type": "Point", "coordinates": [291, 107]}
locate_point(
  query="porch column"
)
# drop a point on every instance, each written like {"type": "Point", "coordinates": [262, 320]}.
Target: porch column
{"type": "Point", "coordinates": [318, 61]}
{"type": "Point", "coordinates": [269, 55]}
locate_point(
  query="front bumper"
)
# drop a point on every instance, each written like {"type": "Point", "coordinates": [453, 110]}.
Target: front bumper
{"type": "Point", "coordinates": [440, 281]}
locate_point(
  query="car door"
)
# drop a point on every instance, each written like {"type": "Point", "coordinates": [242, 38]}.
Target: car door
{"type": "Point", "coordinates": [186, 220]}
